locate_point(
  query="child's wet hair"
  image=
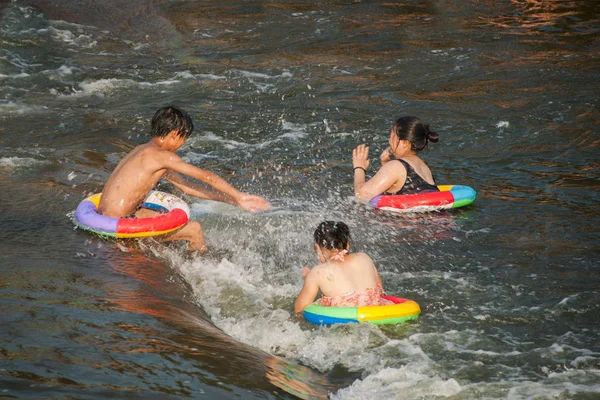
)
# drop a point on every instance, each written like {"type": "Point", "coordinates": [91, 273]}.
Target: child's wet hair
{"type": "Point", "coordinates": [415, 131]}
{"type": "Point", "coordinates": [171, 118]}
{"type": "Point", "coordinates": [332, 235]}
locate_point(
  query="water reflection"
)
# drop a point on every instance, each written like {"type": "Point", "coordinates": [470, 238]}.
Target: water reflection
{"type": "Point", "coordinates": [415, 227]}
{"type": "Point", "coordinates": [544, 17]}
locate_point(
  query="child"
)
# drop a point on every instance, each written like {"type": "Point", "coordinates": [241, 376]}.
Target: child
{"type": "Point", "coordinates": [407, 174]}
{"type": "Point", "coordinates": [346, 280]}
{"type": "Point", "coordinates": [145, 165]}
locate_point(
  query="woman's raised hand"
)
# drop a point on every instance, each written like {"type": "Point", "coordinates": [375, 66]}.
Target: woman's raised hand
{"type": "Point", "coordinates": [360, 157]}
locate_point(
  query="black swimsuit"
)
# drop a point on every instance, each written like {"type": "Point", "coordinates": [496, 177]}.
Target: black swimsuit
{"type": "Point", "coordinates": [414, 183]}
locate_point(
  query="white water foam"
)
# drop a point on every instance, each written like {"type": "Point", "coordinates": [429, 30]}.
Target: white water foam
{"type": "Point", "coordinates": [15, 76]}
{"type": "Point", "coordinates": [256, 79]}
{"type": "Point", "coordinates": [399, 383]}
{"type": "Point", "coordinates": [101, 87]}
{"type": "Point", "coordinates": [200, 77]}
{"type": "Point", "coordinates": [18, 162]}
{"type": "Point", "coordinates": [249, 74]}
{"type": "Point", "coordinates": [557, 385]}
{"type": "Point", "coordinates": [196, 158]}
{"type": "Point", "coordinates": [16, 108]}
{"type": "Point", "coordinates": [291, 132]}
{"type": "Point", "coordinates": [66, 36]}
{"type": "Point", "coordinates": [209, 136]}
{"type": "Point", "coordinates": [250, 297]}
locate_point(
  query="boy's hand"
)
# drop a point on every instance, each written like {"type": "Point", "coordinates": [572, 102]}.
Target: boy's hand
{"type": "Point", "coordinates": [252, 203]}
{"type": "Point", "coordinates": [360, 157]}
{"type": "Point", "coordinates": [385, 156]}
{"type": "Point", "coordinates": [305, 271]}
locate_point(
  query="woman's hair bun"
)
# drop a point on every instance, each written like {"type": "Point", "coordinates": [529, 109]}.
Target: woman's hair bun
{"type": "Point", "coordinates": [431, 135]}
{"type": "Point", "coordinates": [415, 131]}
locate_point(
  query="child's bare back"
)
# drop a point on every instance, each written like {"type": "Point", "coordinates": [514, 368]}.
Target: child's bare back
{"type": "Point", "coordinates": [356, 273]}
{"type": "Point", "coordinates": [345, 280]}
{"type": "Point", "coordinates": [131, 181]}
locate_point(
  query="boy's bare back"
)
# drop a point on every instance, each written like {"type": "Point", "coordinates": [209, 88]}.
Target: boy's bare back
{"type": "Point", "coordinates": [133, 178]}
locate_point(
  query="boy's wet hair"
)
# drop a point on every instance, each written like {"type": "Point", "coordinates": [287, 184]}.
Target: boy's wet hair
{"type": "Point", "coordinates": [415, 131]}
{"type": "Point", "coordinates": [332, 235]}
{"type": "Point", "coordinates": [171, 118]}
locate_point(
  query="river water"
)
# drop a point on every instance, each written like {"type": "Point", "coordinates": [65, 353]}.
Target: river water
{"type": "Point", "coordinates": [280, 93]}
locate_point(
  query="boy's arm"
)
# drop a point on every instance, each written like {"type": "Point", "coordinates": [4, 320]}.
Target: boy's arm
{"type": "Point", "coordinates": [245, 201]}
{"type": "Point", "coordinates": [309, 291]}
{"type": "Point", "coordinates": [176, 163]}
{"type": "Point", "coordinates": [194, 189]}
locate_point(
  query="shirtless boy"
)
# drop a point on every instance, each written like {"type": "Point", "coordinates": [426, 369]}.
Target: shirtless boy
{"type": "Point", "coordinates": [145, 165]}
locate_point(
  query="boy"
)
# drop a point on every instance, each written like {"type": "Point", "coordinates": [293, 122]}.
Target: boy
{"type": "Point", "coordinates": [143, 167]}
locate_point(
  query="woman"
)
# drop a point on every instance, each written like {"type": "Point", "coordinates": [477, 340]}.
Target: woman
{"type": "Point", "coordinates": [407, 173]}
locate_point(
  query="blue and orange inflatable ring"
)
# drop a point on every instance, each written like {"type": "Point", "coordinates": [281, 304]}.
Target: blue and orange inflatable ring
{"type": "Point", "coordinates": [176, 213]}
{"type": "Point", "coordinates": [402, 310]}
{"type": "Point", "coordinates": [449, 196]}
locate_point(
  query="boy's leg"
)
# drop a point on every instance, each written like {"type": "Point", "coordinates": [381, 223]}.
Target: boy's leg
{"type": "Point", "coordinates": [191, 232]}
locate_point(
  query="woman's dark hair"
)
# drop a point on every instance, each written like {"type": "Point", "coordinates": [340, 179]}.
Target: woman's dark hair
{"type": "Point", "coordinates": [171, 118]}
{"type": "Point", "coordinates": [332, 235]}
{"type": "Point", "coordinates": [415, 131]}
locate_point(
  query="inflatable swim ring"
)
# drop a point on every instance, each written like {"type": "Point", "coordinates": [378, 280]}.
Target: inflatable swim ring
{"type": "Point", "coordinates": [449, 196]}
{"type": "Point", "coordinates": [177, 214]}
{"type": "Point", "coordinates": [402, 310]}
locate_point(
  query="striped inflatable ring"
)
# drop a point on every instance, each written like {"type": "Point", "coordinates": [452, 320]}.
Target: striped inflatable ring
{"type": "Point", "coordinates": [449, 196]}
{"type": "Point", "coordinates": [402, 310]}
{"type": "Point", "coordinates": [176, 214]}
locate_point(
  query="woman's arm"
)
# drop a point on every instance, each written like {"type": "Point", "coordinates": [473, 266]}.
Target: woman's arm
{"type": "Point", "coordinates": [360, 163]}
{"type": "Point", "coordinates": [309, 291]}
{"type": "Point", "coordinates": [385, 178]}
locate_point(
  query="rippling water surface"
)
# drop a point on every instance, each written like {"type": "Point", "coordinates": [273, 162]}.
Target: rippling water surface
{"type": "Point", "coordinates": [280, 94]}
